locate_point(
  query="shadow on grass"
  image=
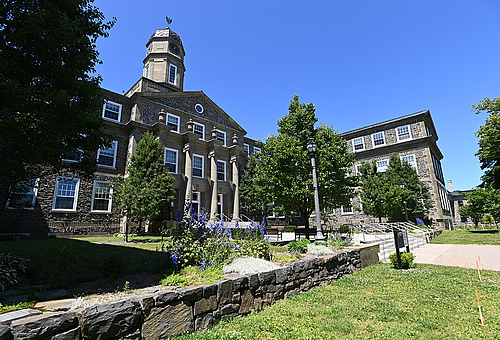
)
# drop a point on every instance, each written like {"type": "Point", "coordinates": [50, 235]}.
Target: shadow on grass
{"type": "Point", "coordinates": [491, 231]}
{"type": "Point", "coordinates": [65, 263]}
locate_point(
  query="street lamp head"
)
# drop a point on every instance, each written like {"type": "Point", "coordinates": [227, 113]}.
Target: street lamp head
{"type": "Point", "coordinates": [311, 147]}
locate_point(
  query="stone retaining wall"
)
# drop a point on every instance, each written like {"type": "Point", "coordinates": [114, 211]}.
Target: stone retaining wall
{"type": "Point", "coordinates": [172, 312]}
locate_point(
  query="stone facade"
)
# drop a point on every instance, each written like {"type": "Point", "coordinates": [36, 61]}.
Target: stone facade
{"type": "Point", "coordinates": [166, 313]}
{"type": "Point", "coordinates": [191, 127]}
{"type": "Point", "coordinates": [412, 137]}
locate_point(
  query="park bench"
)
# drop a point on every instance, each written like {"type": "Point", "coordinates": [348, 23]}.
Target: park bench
{"type": "Point", "coordinates": [301, 233]}
{"type": "Point", "coordinates": [275, 231]}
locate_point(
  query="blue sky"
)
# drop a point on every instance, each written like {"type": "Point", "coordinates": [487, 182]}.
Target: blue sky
{"type": "Point", "coordinates": [360, 62]}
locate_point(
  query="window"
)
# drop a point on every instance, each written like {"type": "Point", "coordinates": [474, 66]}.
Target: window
{"type": "Point", "coordinates": [358, 144]}
{"type": "Point", "coordinates": [112, 111]}
{"type": "Point", "coordinates": [410, 159]}
{"type": "Point", "coordinates": [199, 108]}
{"type": "Point", "coordinates": [378, 139]}
{"type": "Point", "coordinates": [221, 136]}
{"type": "Point", "coordinates": [173, 121]}
{"type": "Point", "coordinates": [23, 195]}
{"type": "Point", "coordinates": [74, 156]}
{"type": "Point", "coordinates": [146, 71]}
{"type": "Point", "coordinates": [172, 74]}
{"type": "Point", "coordinates": [246, 148]}
{"type": "Point", "coordinates": [101, 197]}
{"type": "Point", "coordinates": [256, 149]}
{"type": "Point", "coordinates": [171, 160]}
{"type": "Point", "coordinates": [382, 165]}
{"type": "Point", "coordinates": [358, 167]}
{"type": "Point", "coordinates": [149, 49]}
{"type": "Point", "coordinates": [403, 133]}
{"type": "Point", "coordinates": [66, 194]}
{"type": "Point", "coordinates": [197, 166]}
{"type": "Point", "coordinates": [199, 129]}
{"type": "Point", "coordinates": [221, 170]}
{"type": "Point", "coordinates": [107, 157]}
{"type": "Point", "coordinates": [346, 210]}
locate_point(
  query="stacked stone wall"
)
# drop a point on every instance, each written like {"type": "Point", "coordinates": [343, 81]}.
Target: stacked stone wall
{"type": "Point", "coordinates": [163, 314]}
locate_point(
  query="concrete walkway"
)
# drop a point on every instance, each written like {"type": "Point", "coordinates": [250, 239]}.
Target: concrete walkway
{"type": "Point", "coordinates": [459, 255]}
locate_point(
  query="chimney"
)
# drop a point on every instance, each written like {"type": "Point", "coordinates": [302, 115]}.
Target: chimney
{"type": "Point", "coordinates": [450, 186]}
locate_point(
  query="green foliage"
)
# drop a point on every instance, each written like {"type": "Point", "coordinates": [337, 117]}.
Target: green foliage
{"type": "Point", "coordinates": [111, 267]}
{"type": "Point", "coordinates": [57, 271]}
{"type": "Point", "coordinates": [10, 267]}
{"type": "Point", "coordinates": [298, 246]}
{"type": "Point", "coordinates": [17, 306]}
{"type": "Point", "coordinates": [285, 174]}
{"type": "Point", "coordinates": [382, 195]}
{"type": "Point", "coordinates": [480, 202]}
{"type": "Point", "coordinates": [254, 199]}
{"type": "Point", "coordinates": [191, 276]}
{"type": "Point", "coordinates": [260, 249]}
{"type": "Point", "coordinates": [50, 99]}
{"type": "Point", "coordinates": [148, 188]}
{"type": "Point", "coordinates": [406, 260]}
{"type": "Point", "coordinates": [489, 141]}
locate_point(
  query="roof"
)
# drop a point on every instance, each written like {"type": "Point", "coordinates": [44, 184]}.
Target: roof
{"type": "Point", "coordinates": [166, 32]}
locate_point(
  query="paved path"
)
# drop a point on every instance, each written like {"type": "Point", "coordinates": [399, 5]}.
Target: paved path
{"type": "Point", "coordinates": [459, 255]}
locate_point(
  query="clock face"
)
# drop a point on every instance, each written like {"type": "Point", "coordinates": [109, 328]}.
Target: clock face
{"type": "Point", "coordinates": [174, 48]}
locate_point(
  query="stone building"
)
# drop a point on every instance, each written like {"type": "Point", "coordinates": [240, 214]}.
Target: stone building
{"type": "Point", "coordinates": [414, 138]}
{"type": "Point", "coordinates": [205, 148]}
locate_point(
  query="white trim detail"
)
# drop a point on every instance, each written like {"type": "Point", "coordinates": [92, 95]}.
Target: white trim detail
{"type": "Point", "coordinates": [246, 148]}
{"type": "Point", "coordinates": [108, 154]}
{"type": "Point", "coordinates": [172, 73]}
{"type": "Point", "coordinates": [376, 139]}
{"type": "Point", "coordinates": [202, 168]}
{"type": "Point", "coordinates": [66, 188]}
{"type": "Point", "coordinates": [104, 195]}
{"type": "Point", "coordinates": [175, 164]}
{"type": "Point", "coordinates": [110, 109]}
{"type": "Point", "coordinates": [199, 133]}
{"type": "Point", "coordinates": [223, 172]}
{"type": "Point", "coordinates": [403, 133]}
{"type": "Point", "coordinates": [382, 165]}
{"type": "Point", "coordinates": [355, 144]}
{"type": "Point", "coordinates": [221, 138]}
{"type": "Point", "coordinates": [172, 123]}
{"type": "Point", "coordinates": [410, 159]}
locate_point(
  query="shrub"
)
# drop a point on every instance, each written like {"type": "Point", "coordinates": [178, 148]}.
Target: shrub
{"type": "Point", "coordinates": [10, 266]}
{"type": "Point", "coordinates": [60, 264]}
{"type": "Point", "coordinates": [406, 260]}
{"type": "Point", "coordinates": [190, 276]}
{"type": "Point", "coordinates": [259, 249]}
{"type": "Point", "coordinates": [318, 249]}
{"type": "Point", "coordinates": [298, 246]}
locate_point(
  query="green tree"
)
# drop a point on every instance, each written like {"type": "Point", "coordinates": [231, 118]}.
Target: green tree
{"type": "Point", "coordinates": [489, 142]}
{"type": "Point", "coordinates": [384, 194]}
{"type": "Point", "coordinates": [481, 202]}
{"type": "Point", "coordinates": [286, 173]}
{"type": "Point", "coordinates": [148, 187]}
{"type": "Point", "coordinates": [50, 99]}
{"type": "Point", "coordinates": [254, 200]}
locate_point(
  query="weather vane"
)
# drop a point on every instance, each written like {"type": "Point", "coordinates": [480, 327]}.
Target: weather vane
{"type": "Point", "coordinates": [169, 21]}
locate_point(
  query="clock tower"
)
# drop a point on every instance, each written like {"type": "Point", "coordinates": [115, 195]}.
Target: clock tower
{"type": "Point", "coordinates": [164, 61]}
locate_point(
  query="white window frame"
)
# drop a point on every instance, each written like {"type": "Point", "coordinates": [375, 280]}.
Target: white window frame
{"type": "Point", "coordinates": [397, 133]}
{"type": "Point", "coordinates": [202, 166]}
{"type": "Point", "coordinates": [373, 139]}
{"type": "Point", "coordinates": [146, 71]}
{"type": "Point", "coordinates": [217, 137]}
{"type": "Point", "coordinates": [354, 144]}
{"type": "Point", "coordinates": [385, 167]}
{"type": "Point", "coordinates": [119, 111]}
{"type": "Point", "coordinates": [256, 149]}
{"type": "Point", "coordinates": [357, 167]}
{"type": "Point", "coordinates": [176, 158]}
{"type": "Point", "coordinates": [413, 164]}
{"type": "Point", "coordinates": [73, 160]}
{"type": "Point", "coordinates": [33, 191]}
{"type": "Point", "coordinates": [178, 122]}
{"type": "Point", "coordinates": [115, 145]}
{"type": "Point", "coordinates": [170, 66]}
{"type": "Point", "coordinates": [344, 212]}
{"type": "Point", "coordinates": [203, 128]}
{"type": "Point", "coordinates": [92, 210]}
{"type": "Point", "coordinates": [75, 197]}
{"type": "Point", "coordinates": [246, 148]}
{"type": "Point", "coordinates": [218, 173]}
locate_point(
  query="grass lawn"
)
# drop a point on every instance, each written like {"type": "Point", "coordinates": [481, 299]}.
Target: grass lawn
{"type": "Point", "coordinates": [428, 302]}
{"type": "Point", "coordinates": [491, 237]}
{"type": "Point", "coordinates": [61, 262]}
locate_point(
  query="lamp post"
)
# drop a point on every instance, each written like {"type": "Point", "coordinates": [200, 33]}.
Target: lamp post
{"type": "Point", "coordinates": [402, 186]}
{"type": "Point", "coordinates": [405, 232]}
{"type": "Point", "coordinates": [312, 147]}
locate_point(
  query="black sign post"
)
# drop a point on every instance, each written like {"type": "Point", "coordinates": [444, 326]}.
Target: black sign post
{"type": "Point", "coordinates": [397, 241]}
{"type": "Point", "coordinates": [405, 239]}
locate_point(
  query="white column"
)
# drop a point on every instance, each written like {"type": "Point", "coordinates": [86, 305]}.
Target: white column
{"type": "Point", "coordinates": [188, 172]}
{"type": "Point", "coordinates": [213, 178]}
{"type": "Point", "coordinates": [236, 184]}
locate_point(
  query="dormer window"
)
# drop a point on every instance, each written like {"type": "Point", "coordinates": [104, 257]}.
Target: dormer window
{"type": "Point", "coordinates": [172, 74]}
{"type": "Point", "coordinates": [378, 139]}
{"type": "Point", "coordinates": [403, 133]}
{"type": "Point", "coordinates": [112, 111]}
